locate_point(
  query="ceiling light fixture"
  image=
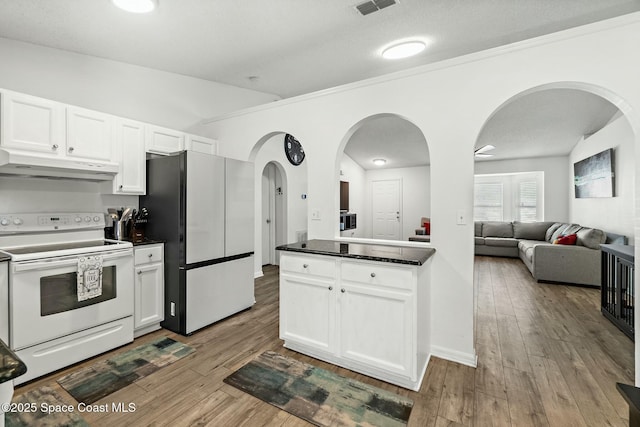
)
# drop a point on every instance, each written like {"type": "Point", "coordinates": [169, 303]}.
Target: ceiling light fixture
{"type": "Point", "coordinates": [379, 162]}
{"type": "Point", "coordinates": [404, 49]}
{"type": "Point", "coordinates": [136, 6]}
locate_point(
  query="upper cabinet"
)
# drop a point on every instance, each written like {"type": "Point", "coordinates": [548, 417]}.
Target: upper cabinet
{"type": "Point", "coordinates": [201, 144]}
{"type": "Point", "coordinates": [164, 141]}
{"type": "Point", "coordinates": [33, 124]}
{"type": "Point", "coordinates": [89, 134]}
{"type": "Point", "coordinates": [129, 151]}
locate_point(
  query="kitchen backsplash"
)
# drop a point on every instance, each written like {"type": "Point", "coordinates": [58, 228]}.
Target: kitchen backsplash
{"type": "Point", "coordinates": [19, 194]}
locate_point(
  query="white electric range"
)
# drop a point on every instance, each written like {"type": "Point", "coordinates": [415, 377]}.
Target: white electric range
{"type": "Point", "coordinates": [50, 324]}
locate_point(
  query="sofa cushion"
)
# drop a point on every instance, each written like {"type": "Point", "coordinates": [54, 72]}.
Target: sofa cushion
{"type": "Point", "coordinates": [479, 240]}
{"type": "Point", "coordinates": [508, 242]}
{"type": "Point", "coordinates": [591, 237]}
{"type": "Point", "coordinates": [552, 230]}
{"type": "Point", "coordinates": [477, 226]}
{"type": "Point", "coordinates": [569, 239]}
{"type": "Point", "coordinates": [530, 230]}
{"type": "Point", "coordinates": [497, 229]}
{"type": "Point", "coordinates": [563, 230]}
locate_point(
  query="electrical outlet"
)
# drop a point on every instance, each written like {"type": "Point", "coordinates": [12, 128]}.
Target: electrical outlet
{"type": "Point", "coordinates": [315, 214]}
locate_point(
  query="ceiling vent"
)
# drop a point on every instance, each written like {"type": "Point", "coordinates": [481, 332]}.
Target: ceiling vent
{"type": "Point", "coordinates": [374, 6]}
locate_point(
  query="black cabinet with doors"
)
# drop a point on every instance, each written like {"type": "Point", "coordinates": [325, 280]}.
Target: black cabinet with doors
{"type": "Point", "coordinates": [618, 291]}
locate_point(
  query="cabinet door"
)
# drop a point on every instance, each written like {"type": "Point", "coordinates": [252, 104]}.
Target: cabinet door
{"type": "Point", "coordinates": [164, 141]}
{"type": "Point", "coordinates": [34, 124]}
{"type": "Point", "coordinates": [149, 295]}
{"type": "Point", "coordinates": [307, 312]}
{"type": "Point", "coordinates": [201, 144]}
{"type": "Point", "coordinates": [376, 328]}
{"type": "Point", "coordinates": [89, 134]}
{"type": "Point", "coordinates": [130, 154]}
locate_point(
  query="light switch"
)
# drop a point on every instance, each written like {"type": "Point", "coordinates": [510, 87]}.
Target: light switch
{"type": "Point", "coordinates": [461, 218]}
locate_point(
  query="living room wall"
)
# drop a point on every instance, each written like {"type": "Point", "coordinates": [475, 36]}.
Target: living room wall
{"type": "Point", "coordinates": [556, 176]}
{"type": "Point", "coordinates": [614, 214]}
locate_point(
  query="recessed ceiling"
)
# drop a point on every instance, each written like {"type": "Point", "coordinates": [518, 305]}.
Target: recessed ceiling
{"type": "Point", "coordinates": [289, 47]}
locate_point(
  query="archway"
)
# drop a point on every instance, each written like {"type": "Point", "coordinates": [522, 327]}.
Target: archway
{"type": "Point", "coordinates": [610, 123]}
{"type": "Point", "coordinates": [383, 164]}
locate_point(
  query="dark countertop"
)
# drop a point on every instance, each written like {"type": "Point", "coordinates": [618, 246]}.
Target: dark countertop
{"type": "Point", "coordinates": [623, 251]}
{"type": "Point", "coordinates": [366, 251]}
{"type": "Point", "coordinates": [147, 242]}
{"type": "Point", "coordinates": [10, 365]}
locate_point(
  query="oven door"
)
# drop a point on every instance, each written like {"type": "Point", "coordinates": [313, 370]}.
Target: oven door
{"type": "Point", "coordinates": [44, 297]}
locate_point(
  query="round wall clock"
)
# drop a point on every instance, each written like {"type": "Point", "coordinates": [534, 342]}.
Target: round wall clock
{"type": "Point", "coordinates": [293, 149]}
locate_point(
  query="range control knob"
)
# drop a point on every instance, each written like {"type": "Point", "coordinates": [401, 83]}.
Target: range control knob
{"type": "Point", "coordinates": [96, 218]}
{"type": "Point", "coordinates": [78, 219]}
{"type": "Point", "coordinates": [87, 219]}
{"type": "Point", "coordinates": [4, 222]}
{"type": "Point", "coordinates": [17, 221]}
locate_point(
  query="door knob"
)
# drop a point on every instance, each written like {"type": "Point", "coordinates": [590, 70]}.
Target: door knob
{"type": "Point", "coordinates": [139, 272]}
{"type": "Point", "coordinates": [71, 149]}
{"type": "Point", "coordinates": [54, 147]}
{"type": "Point", "coordinates": [343, 290]}
{"type": "Point", "coordinates": [373, 274]}
{"type": "Point", "coordinates": [268, 221]}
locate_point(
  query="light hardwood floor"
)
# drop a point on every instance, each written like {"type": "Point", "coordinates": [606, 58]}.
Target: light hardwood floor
{"type": "Point", "coordinates": [547, 357]}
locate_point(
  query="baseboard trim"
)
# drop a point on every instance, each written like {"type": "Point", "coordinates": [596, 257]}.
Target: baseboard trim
{"type": "Point", "coordinates": [258, 274]}
{"type": "Point", "coordinates": [469, 359]}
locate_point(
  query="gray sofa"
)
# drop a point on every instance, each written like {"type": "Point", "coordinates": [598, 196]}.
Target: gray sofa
{"type": "Point", "coordinates": [532, 242]}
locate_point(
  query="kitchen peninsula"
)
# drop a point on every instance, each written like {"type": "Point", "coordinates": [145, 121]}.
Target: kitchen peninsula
{"type": "Point", "coordinates": [358, 305]}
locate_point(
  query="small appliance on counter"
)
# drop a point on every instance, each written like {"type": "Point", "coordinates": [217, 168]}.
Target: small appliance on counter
{"type": "Point", "coordinates": [128, 224]}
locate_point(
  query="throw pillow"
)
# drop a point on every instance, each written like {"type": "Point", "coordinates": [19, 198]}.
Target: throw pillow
{"type": "Point", "coordinates": [551, 230]}
{"type": "Point", "coordinates": [427, 228]}
{"type": "Point", "coordinates": [569, 239]}
{"type": "Point", "coordinates": [591, 237]}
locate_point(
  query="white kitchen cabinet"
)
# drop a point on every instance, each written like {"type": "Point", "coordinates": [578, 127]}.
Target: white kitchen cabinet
{"type": "Point", "coordinates": [32, 124]}
{"type": "Point", "coordinates": [149, 288]}
{"type": "Point", "coordinates": [201, 144]}
{"type": "Point", "coordinates": [89, 134]}
{"type": "Point", "coordinates": [4, 302]}
{"type": "Point", "coordinates": [164, 141]}
{"type": "Point", "coordinates": [129, 153]}
{"type": "Point", "coordinates": [367, 316]}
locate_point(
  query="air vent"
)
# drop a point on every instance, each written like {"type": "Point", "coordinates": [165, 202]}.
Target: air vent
{"type": "Point", "coordinates": [373, 6]}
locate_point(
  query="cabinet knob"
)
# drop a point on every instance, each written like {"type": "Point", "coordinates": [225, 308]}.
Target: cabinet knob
{"type": "Point", "coordinates": [70, 149]}
{"type": "Point", "coordinates": [150, 255]}
{"type": "Point", "coordinates": [54, 147]}
{"type": "Point", "coordinates": [343, 290]}
{"type": "Point", "coordinates": [305, 265]}
{"type": "Point", "coordinates": [139, 272]}
{"type": "Point", "coordinates": [330, 288]}
{"type": "Point", "coordinates": [121, 186]}
{"type": "Point", "coordinates": [373, 274]}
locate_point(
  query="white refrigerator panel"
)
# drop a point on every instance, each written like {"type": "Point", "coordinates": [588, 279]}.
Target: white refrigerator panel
{"type": "Point", "coordinates": [205, 207]}
{"type": "Point", "coordinates": [218, 291]}
{"type": "Point", "coordinates": [239, 206]}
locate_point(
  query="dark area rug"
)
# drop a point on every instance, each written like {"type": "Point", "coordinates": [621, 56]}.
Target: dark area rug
{"type": "Point", "coordinates": [317, 395]}
{"type": "Point", "coordinates": [103, 378]}
{"type": "Point", "coordinates": [29, 410]}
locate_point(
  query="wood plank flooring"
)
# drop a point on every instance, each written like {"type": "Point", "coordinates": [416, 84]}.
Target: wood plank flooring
{"type": "Point", "coordinates": [547, 357]}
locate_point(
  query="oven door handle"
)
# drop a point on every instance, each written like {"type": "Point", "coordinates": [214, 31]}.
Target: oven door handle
{"type": "Point", "coordinates": [70, 260]}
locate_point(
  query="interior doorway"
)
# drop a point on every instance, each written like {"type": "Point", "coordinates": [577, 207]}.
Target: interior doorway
{"type": "Point", "coordinates": [386, 205]}
{"type": "Point", "coordinates": [272, 210]}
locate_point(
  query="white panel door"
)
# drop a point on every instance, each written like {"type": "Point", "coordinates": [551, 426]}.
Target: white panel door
{"type": "Point", "coordinates": [89, 134]}
{"type": "Point", "coordinates": [130, 154]}
{"type": "Point", "coordinates": [149, 295]}
{"type": "Point", "coordinates": [205, 207]}
{"type": "Point", "coordinates": [239, 207]}
{"type": "Point", "coordinates": [386, 202]}
{"type": "Point", "coordinates": [34, 124]}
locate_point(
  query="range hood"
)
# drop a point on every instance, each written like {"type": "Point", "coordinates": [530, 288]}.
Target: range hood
{"type": "Point", "coordinates": [17, 163]}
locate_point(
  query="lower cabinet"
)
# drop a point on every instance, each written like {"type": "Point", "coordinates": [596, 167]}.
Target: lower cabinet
{"type": "Point", "coordinates": [361, 315]}
{"type": "Point", "coordinates": [149, 288]}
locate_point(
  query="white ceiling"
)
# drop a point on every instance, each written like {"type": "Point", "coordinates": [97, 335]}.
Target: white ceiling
{"type": "Point", "coordinates": [292, 47]}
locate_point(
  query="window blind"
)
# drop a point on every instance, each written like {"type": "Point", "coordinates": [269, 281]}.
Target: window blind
{"type": "Point", "coordinates": [488, 201]}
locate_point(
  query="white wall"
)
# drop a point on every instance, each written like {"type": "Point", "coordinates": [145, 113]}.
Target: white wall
{"type": "Point", "coordinates": [355, 175]}
{"type": "Point", "coordinates": [556, 184]}
{"type": "Point", "coordinates": [294, 185]}
{"type": "Point", "coordinates": [416, 196]}
{"type": "Point", "coordinates": [614, 214]}
{"type": "Point", "coordinates": [449, 101]}
{"type": "Point", "coordinates": [152, 96]}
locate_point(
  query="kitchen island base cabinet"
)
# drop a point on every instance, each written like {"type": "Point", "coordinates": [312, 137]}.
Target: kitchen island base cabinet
{"type": "Point", "coordinates": [370, 317]}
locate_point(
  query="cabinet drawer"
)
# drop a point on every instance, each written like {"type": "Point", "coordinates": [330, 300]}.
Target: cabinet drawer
{"type": "Point", "coordinates": [148, 254]}
{"type": "Point", "coordinates": [377, 274]}
{"type": "Point", "coordinates": [313, 266]}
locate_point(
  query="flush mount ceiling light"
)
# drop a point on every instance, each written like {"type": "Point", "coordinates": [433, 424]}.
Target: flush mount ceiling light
{"type": "Point", "coordinates": [136, 6]}
{"type": "Point", "coordinates": [404, 49]}
{"type": "Point", "coordinates": [379, 162]}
